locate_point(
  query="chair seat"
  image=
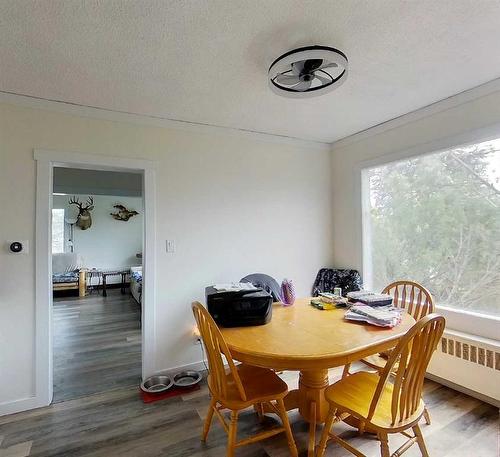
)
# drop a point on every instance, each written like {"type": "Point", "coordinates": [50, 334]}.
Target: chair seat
{"type": "Point", "coordinates": [354, 394]}
{"type": "Point", "coordinates": [260, 384]}
{"type": "Point", "coordinates": [376, 361]}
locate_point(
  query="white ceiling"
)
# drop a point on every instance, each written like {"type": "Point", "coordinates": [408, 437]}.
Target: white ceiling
{"type": "Point", "coordinates": [207, 61]}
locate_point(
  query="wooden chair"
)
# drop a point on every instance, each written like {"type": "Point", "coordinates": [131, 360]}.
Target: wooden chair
{"type": "Point", "coordinates": [412, 296]}
{"type": "Point", "coordinates": [418, 302]}
{"type": "Point", "coordinates": [381, 406]}
{"type": "Point", "coordinates": [238, 387]}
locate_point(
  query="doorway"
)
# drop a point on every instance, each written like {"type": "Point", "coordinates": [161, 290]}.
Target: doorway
{"type": "Point", "coordinates": [97, 234]}
{"type": "Point", "coordinates": [73, 307]}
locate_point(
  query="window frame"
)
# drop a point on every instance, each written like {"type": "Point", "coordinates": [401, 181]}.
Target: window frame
{"type": "Point", "coordinates": [474, 323]}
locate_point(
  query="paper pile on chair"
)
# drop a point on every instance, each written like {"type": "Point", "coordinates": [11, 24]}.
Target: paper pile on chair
{"type": "Point", "coordinates": [386, 316]}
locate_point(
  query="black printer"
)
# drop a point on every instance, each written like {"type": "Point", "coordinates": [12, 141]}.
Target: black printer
{"type": "Point", "coordinates": [239, 308]}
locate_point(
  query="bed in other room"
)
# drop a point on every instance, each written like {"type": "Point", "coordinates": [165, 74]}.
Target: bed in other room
{"type": "Point", "coordinates": [136, 283]}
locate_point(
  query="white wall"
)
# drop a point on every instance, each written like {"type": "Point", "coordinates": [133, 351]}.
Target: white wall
{"type": "Point", "coordinates": [233, 204]}
{"type": "Point", "coordinates": [108, 243]}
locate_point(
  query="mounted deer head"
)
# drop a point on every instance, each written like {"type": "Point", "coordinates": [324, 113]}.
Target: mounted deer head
{"type": "Point", "coordinates": [83, 220]}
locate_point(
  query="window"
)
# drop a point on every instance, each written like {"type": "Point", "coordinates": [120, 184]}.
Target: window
{"type": "Point", "coordinates": [435, 219]}
{"type": "Point", "coordinates": [57, 231]}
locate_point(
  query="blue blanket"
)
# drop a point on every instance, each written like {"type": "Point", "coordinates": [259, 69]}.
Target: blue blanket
{"type": "Point", "coordinates": [71, 276]}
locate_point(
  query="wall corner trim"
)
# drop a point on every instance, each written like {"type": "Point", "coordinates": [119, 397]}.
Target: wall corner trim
{"type": "Point", "coordinates": [85, 160]}
{"type": "Point", "coordinates": [445, 104]}
{"type": "Point", "coordinates": [94, 112]}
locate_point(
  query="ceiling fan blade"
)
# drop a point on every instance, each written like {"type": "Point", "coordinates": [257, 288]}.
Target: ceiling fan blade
{"type": "Point", "coordinates": [297, 67]}
{"type": "Point", "coordinates": [287, 80]}
{"type": "Point", "coordinates": [302, 86]}
{"type": "Point", "coordinates": [328, 65]}
{"type": "Point", "coordinates": [322, 79]}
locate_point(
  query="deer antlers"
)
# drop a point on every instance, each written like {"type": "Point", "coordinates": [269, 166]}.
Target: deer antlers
{"type": "Point", "coordinates": [76, 201]}
{"type": "Point", "coordinates": [90, 202]}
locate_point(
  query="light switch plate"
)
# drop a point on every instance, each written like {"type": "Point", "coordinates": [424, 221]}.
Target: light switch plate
{"type": "Point", "coordinates": [170, 246]}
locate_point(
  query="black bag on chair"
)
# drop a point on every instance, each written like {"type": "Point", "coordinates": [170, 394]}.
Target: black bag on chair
{"type": "Point", "coordinates": [328, 278]}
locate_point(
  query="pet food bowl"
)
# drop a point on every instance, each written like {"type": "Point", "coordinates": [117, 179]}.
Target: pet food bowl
{"type": "Point", "coordinates": [156, 384]}
{"type": "Point", "coordinates": [187, 378]}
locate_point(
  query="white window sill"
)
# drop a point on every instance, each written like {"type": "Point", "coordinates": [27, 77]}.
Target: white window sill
{"type": "Point", "coordinates": [482, 325]}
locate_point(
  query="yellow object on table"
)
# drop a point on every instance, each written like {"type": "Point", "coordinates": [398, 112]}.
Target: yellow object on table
{"type": "Point", "coordinates": [318, 304]}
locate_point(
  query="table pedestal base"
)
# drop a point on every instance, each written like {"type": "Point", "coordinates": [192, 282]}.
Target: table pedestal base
{"type": "Point", "coordinates": [310, 400]}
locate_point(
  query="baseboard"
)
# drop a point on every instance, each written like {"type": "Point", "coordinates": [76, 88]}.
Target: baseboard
{"type": "Point", "coordinates": [196, 366]}
{"type": "Point", "coordinates": [21, 405]}
{"type": "Point", "coordinates": [464, 390]}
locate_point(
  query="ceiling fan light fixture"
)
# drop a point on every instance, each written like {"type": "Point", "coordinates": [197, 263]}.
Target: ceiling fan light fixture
{"type": "Point", "coordinates": [308, 72]}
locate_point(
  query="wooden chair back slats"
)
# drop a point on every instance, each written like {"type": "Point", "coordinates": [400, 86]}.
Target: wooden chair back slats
{"type": "Point", "coordinates": [414, 297]}
{"type": "Point", "coordinates": [215, 347]}
{"type": "Point", "coordinates": [408, 363]}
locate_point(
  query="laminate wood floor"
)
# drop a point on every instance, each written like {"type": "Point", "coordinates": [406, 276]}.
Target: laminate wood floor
{"type": "Point", "coordinates": [118, 424]}
{"type": "Point", "coordinates": [97, 344]}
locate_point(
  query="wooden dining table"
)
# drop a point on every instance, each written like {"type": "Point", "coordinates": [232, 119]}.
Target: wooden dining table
{"type": "Point", "coordinates": [305, 339]}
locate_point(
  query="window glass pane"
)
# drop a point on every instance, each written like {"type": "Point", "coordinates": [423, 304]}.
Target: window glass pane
{"type": "Point", "coordinates": [57, 231]}
{"type": "Point", "coordinates": [435, 219]}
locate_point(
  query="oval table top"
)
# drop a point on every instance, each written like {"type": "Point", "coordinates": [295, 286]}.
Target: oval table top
{"type": "Point", "coordinates": [301, 337]}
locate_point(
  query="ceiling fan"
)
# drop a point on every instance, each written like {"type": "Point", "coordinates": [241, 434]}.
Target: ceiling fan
{"type": "Point", "coordinates": [308, 71]}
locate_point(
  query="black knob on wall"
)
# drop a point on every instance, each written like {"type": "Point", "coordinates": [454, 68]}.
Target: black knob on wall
{"type": "Point", "coordinates": [16, 246]}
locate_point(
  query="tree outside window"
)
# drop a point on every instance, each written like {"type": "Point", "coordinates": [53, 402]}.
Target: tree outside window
{"type": "Point", "coordinates": [435, 219]}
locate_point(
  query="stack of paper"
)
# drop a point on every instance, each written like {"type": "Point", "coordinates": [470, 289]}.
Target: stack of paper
{"type": "Point", "coordinates": [234, 287]}
{"type": "Point", "coordinates": [327, 297]}
{"type": "Point", "coordinates": [370, 298]}
{"type": "Point", "coordinates": [386, 316]}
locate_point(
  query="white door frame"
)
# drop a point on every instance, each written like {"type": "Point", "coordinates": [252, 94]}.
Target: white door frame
{"type": "Point", "coordinates": [46, 161]}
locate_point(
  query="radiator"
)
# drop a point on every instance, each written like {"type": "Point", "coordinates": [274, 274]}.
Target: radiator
{"type": "Point", "coordinates": [470, 362]}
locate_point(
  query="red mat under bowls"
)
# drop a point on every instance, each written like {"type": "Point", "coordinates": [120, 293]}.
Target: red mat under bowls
{"type": "Point", "coordinates": [173, 392]}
